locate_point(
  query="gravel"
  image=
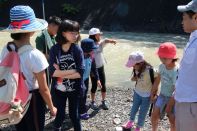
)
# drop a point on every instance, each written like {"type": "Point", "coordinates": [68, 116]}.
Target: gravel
{"type": "Point", "coordinates": [119, 100]}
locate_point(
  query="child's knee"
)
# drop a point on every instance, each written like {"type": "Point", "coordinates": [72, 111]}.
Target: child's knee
{"type": "Point", "coordinates": [155, 114]}
{"type": "Point", "coordinates": [171, 118]}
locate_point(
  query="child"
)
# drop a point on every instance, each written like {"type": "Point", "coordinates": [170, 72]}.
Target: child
{"type": "Point", "coordinates": [167, 75]}
{"type": "Point", "coordinates": [33, 64]}
{"type": "Point", "coordinates": [142, 91]}
{"type": "Point", "coordinates": [95, 34]}
{"type": "Point", "coordinates": [66, 68]}
{"type": "Point", "coordinates": [87, 45]}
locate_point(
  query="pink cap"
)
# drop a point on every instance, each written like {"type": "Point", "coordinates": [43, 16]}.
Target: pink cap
{"type": "Point", "coordinates": [134, 58]}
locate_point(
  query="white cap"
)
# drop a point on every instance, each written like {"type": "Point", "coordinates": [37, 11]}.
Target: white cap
{"type": "Point", "coordinates": [94, 31]}
{"type": "Point", "coordinates": [191, 6]}
{"type": "Point", "coordinates": [134, 58]}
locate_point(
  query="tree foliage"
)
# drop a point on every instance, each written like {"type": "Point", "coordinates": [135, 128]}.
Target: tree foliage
{"type": "Point", "coordinates": [2, 2]}
{"type": "Point", "coordinates": [68, 8]}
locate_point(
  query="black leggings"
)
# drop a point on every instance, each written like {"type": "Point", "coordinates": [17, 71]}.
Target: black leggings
{"type": "Point", "coordinates": [60, 100]}
{"type": "Point", "coordinates": [101, 73]}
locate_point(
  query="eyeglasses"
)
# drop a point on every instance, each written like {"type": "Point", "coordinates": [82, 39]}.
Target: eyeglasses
{"type": "Point", "coordinates": [73, 33]}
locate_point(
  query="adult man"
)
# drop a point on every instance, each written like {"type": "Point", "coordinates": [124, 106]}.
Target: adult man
{"type": "Point", "coordinates": [186, 85]}
{"type": "Point", "coordinates": [47, 38]}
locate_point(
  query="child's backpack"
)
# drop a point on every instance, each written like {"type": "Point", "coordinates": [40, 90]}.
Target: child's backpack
{"type": "Point", "coordinates": [14, 93]}
{"type": "Point", "coordinates": [151, 73]}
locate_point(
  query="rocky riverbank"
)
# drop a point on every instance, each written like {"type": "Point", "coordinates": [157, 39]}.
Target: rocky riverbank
{"type": "Point", "coordinates": [119, 100]}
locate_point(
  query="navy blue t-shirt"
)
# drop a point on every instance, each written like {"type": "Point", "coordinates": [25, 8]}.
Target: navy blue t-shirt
{"type": "Point", "coordinates": [72, 59]}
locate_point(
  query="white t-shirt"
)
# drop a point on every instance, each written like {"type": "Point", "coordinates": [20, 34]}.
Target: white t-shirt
{"type": "Point", "coordinates": [98, 54]}
{"type": "Point", "coordinates": [32, 61]}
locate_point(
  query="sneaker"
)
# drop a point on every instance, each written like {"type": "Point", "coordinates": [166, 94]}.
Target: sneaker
{"type": "Point", "coordinates": [84, 116]}
{"type": "Point", "coordinates": [87, 107]}
{"type": "Point", "coordinates": [138, 129]}
{"type": "Point", "coordinates": [128, 125]}
{"type": "Point", "coordinates": [93, 106]}
{"type": "Point", "coordinates": [104, 105]}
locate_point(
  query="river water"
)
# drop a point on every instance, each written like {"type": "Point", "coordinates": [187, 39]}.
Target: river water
{"type": "Point", "coordinates": [117, 75]}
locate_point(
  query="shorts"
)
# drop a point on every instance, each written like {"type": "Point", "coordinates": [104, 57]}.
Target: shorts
{"type": "Point", "coordinates": [161, 103]}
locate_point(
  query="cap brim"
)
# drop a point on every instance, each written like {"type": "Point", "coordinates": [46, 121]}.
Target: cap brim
{"type": "Point", "coordinates": [95, 47]}
{"type": "Point", "coordinates": [182, 8]}
{"type": "Point", "coordinates": [129, 64]}
{"type": "Point", "coordinates": [165, 56]}
{"type": "Point", "coordinates": [96, 33]}
{"type": "Point", "coordinates": [39, 24]}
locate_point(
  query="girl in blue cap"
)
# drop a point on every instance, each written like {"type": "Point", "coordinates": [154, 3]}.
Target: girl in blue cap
{"type": "Point", "coordinates": [87, 45]}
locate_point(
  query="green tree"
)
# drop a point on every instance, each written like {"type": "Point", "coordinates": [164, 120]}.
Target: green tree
{"type": "Point", "coordinates": [70, 9]}
{"type": "Point", "coordinates": [2, 2]}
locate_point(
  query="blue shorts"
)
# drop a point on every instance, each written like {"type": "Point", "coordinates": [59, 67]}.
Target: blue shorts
{"type": "Point", "coordinates": [161, 103]}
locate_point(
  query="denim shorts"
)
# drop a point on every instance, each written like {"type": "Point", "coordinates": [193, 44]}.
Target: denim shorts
{"type": "Point", "coordinates": [161, 103]}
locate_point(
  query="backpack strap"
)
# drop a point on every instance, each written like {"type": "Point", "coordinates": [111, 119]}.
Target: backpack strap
{"type": "Point", "coordinates": [151, 72]}
{"type": "Point", "coordinates": [48, 41]}
{"type": "Point", "coordinates": [11, 46]}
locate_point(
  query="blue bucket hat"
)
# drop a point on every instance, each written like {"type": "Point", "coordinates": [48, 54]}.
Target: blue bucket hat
{"type": "Point", "coordinates": [22, 20]}
{"type": "Point", "coordinates": [88, 45]}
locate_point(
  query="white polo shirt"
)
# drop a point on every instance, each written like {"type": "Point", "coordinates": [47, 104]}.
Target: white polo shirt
{"type": "Point", "coordinates": [186, 84]}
